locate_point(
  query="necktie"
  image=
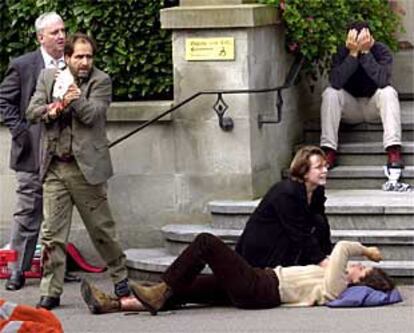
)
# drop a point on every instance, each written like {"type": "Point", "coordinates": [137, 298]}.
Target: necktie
{"type": "Point", "coordinates": [59, 64]}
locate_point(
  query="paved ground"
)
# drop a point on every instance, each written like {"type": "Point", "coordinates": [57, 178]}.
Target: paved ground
{"type": "Point", "coordinates": [76, 318]}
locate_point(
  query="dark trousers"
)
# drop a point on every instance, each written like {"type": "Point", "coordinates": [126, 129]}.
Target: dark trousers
{"type": "Point", "coordinates": [233, 280]}
{"type": "Point", "coordinates": [27, 219]}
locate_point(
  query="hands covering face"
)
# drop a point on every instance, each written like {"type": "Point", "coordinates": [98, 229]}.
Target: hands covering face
{"type": "Point", "coordinates": [359, 43]}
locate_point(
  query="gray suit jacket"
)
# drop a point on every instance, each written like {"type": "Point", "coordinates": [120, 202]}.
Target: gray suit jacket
{"type": "Point", "coordinates": [15, 91]}
{"type": "Point", "coordinates": [89, 142]}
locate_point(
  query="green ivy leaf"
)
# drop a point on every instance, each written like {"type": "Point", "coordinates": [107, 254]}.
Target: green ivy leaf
{"type": "Point", "coordinates": [132, 48]}
{"type": "Point", "coordinates": [315, 28]}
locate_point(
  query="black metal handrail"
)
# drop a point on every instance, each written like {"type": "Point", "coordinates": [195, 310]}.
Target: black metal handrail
{"type": "Point", "coordinates": [220, 106]}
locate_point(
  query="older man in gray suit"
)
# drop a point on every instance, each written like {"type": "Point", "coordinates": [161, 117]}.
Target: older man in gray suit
{"type": "Point", "coordinates": [15, 92]}
{"type": "Point", "coordinates": [75, 165]}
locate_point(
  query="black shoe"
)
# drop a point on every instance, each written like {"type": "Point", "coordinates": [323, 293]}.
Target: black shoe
{"type": "Point", "coordinates": [16, 281]}
{"type": "Point", "coordinates": [122, 288]}
{"type": "Point", "coordinates": [49, 303]}
{"type": "Point", "coordinates": [69, 277]}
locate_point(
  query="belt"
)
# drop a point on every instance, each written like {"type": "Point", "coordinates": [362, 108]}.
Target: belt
{"type": "Point", "coordinates": [64, 159]}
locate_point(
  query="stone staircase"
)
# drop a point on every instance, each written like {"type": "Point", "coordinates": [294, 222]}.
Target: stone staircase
{"type": "Point", "coordinates": [372, 217]}
{"type": "Point", "coordinates": [357, 208]}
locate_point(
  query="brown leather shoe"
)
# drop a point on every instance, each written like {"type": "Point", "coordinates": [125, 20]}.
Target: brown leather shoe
{"type": "Point", "coordinates": [154, 297]}
{"type": "Point", "coordinates": [97, 301]}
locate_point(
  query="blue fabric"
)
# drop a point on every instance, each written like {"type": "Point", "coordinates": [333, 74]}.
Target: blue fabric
{"type": "Point", "coordinates": [365, 296]}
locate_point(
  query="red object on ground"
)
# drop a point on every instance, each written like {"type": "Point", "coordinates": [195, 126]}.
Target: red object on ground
{"type": "Point", "coordinates": [79, 261]}
{"type": "Point", "coordinates": [35, 269]}
{"type": "Point", "coordinates": [8, 256]}
{"type": "Point", "coordinates": [74, 260]}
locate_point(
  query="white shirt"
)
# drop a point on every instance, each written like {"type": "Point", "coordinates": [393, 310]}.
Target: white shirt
{"type": "Point", "coordinates": [313, 285]}
{"type": "Point", "coordinates": [51, 62]}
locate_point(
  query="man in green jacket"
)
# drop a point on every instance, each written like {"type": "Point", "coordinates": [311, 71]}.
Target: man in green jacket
{"type": "Point", "coordinates": [75, 164]}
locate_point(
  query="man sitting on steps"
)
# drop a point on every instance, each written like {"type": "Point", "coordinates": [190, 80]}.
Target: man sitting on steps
{"type": "Point", "coordinates": [360, 91]}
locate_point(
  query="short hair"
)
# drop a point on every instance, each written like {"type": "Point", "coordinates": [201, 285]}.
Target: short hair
{"type": "Point", "coordinates": [301, 162]}
{"type": "Point", "coordinates": [45, 19]}
{"type": "Point", "coordinates": [358, 26]}
{"type": "Point", "coordinates": [377, 279]}
{"type": "Point", "coordinates": [71, 41]}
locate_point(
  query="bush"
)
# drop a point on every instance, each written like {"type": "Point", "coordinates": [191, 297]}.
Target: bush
{"type": "Point", "coordinates": [132, 48]}
{"type": "Point", "coordinates": [315, 28]}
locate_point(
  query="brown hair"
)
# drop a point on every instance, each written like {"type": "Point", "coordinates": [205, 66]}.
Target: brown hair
{"type": "Point", "coordinates": [301, 164]}
{"type": "Point", "coordinates": [377, 279]}
{"type": "Point", "coordinates": [79, 36]}
{"type": "Point", "coordinates": [358, 26]}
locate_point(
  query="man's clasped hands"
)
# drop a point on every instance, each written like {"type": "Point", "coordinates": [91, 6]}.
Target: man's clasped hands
{"type": "Point", "coordinates": [55, 109]}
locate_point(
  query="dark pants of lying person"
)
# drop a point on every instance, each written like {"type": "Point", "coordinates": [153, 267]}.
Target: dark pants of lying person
{"type": "Point", "coordinates": [234, 281]}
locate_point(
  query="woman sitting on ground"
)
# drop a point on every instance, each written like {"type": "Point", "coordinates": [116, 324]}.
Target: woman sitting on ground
{"type": "Point", "coordinates": [234, 282]}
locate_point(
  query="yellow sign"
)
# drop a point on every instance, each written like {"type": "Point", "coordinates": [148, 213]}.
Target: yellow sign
{"type": "Point", "coordinates": [209, 48]}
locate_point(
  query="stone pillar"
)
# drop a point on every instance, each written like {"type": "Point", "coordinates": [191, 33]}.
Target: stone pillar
{"type": "Point", "coordinates": [403, 69]}
{"type": "Point", "coordinates": [242, 163]}
{"type": "Point", "coordinates": [214, 2]}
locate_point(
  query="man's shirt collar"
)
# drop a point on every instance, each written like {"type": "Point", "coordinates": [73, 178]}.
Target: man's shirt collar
{"type": "Point", "coordinates": [51, 62]}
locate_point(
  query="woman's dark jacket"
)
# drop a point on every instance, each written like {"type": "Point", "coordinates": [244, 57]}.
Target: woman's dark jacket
{"type": "Point", "coordinates": [285, 230]}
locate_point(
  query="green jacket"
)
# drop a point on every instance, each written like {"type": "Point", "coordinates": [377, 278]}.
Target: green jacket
{"type": "Point", "coordinates": [89, 141]}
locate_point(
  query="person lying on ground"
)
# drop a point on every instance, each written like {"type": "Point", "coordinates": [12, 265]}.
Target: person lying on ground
{"type": "Point", "coordinates": [234, 282]}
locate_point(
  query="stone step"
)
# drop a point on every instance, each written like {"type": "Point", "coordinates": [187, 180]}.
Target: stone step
{"type": "Point", "coordinates": [346, 209]}
{"type": "Point", "coordinates": [406, 97]}
{"type": "Point", "coordinates": [375, 147]}
{"type": "Point", "coordinates": [395, 244]}
{"type": "Point", "coordinates": [361, 176]}
{"type": "Point", "coordinates": [369, 153]}
{"type": "Point", "coordinates": [149, 264]}
{"type": "Point", "coordinates": [357, 135]}
{"type": "Point", "coordinates": [378, 159]}
{"type": "Point", "coordinates": [178, 236]}
{"type": "Point", "coordinates": [364, 132]}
